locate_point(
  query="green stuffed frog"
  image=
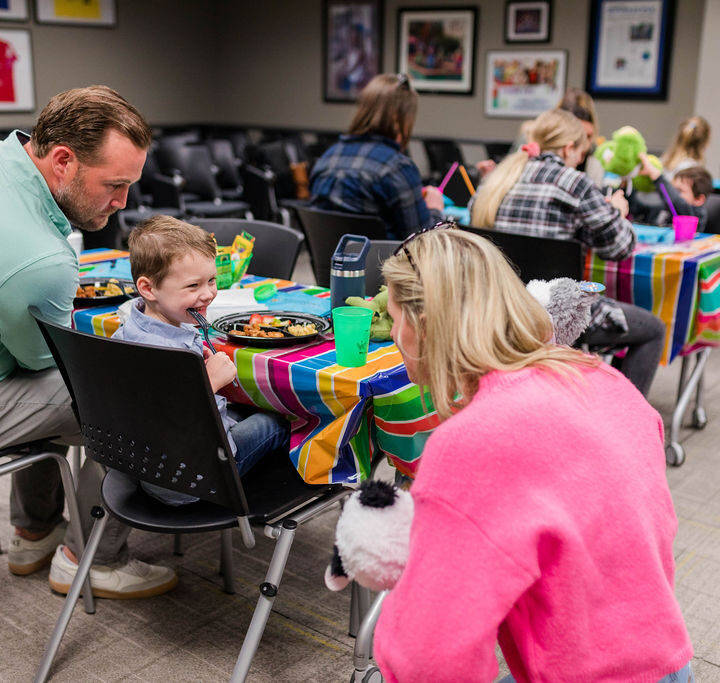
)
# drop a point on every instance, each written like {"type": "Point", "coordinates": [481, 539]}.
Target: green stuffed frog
{"type": "Point", "coordinates": [381, 320]}
{"type": "Point", "coordinates": [620, 156]}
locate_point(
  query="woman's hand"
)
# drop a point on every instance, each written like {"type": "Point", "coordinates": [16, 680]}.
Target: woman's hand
{"type": "Point", "coordinates": [433, 198]}
{"type": "Point", "coordinates": [485, 167]}
{"type": "Point", "coordinates": [220, 369]}
{"type": "Point", "coordinates": [619, 202]}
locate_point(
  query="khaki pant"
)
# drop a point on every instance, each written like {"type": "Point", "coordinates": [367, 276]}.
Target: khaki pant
{"type": "Point", "coordinates": [35, 406]}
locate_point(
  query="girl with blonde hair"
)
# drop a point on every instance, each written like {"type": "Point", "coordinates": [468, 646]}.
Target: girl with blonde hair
{"type": "Point", "coordinates": [368, 172]}
{"type": "Point", "coordinates": [537, 191]}
{"type": "Point", "coordinates": [687, 147]}
{"type": "Point", "coordinates": [539, 449]}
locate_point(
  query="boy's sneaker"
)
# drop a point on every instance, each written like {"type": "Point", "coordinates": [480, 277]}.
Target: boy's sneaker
{"type": "Point", "coordinates": [26, 557]}
{"type": "Point", "coordinates": [135, 579]}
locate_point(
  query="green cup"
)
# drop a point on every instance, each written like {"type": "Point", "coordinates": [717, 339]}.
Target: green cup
{"type": "Point", "coordinates": [351, 325]}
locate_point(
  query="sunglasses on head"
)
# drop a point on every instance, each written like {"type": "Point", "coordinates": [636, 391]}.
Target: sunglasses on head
{"type": "Point", "coordinates": [403, 81]}
{"type": "Point", "coordinates": [442, 225]}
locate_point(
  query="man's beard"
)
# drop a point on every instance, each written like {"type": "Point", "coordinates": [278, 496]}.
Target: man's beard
{"type": "Point", "coordinates": [77, 209]}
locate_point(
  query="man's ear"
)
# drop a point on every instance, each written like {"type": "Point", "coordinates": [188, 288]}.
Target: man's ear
{"type": "Point", "coordinates": [698, 200]}
{"type": "Point", "coordinates": [62, 161]}
{"type": "Point", "coordinates": [145, 287]}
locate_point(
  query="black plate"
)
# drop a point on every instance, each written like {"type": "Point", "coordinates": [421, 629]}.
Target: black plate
{"type": "Point", "coordinates": [229, 322]}
{"type": "Point", "coordinates": [87, 302]}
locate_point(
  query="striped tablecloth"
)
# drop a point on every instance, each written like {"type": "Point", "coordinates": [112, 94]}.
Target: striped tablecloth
{"type": "Point", "coordinates": [679, 283]}
{"type": "Point", "coordinates": [339, 415]}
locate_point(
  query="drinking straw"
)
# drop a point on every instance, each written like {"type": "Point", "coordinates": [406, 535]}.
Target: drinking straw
{"type": "Point", "coordinates": [667, 199]}
{"type": "Point", "coordinates": [448, 175]}
{"type": "Point", "coordinates": [466, 178]}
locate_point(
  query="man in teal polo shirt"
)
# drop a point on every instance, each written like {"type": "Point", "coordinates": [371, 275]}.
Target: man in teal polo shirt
{"type": "Point", "coordinates": [88, 146]}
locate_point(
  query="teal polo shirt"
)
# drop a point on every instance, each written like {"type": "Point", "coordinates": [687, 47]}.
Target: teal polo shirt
{"type": "Point", "coordinates": [38, 266]}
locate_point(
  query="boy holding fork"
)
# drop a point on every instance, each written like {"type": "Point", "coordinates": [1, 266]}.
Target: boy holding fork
{"type": "Point", "coordinates": [173, 266]}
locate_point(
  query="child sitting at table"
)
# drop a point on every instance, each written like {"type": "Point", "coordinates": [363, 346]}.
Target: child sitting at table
{"type": "Point", "coordinates": [173, 266]}
{"type": "Point", "coordinates": [688, 190]}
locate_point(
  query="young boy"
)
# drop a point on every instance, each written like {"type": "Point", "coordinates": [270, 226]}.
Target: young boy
{"type": "Point", "coordinates": [688, 191]}
{"type": "Point", "coordinates": [173, 266]}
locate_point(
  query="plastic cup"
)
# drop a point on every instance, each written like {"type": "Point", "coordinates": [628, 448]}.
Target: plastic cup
{"type": "Point", "coordinates": [352, 335]}
{"type": "Point", "coordinates": [685, 227]}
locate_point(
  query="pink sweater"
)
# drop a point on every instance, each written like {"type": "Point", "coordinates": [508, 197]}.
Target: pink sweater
{"type": "Point", "coordinates": [543, 520]}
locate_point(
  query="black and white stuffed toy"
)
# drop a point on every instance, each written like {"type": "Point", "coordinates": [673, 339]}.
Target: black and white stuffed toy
{"type": "Point", "coordinates": [372, 536]}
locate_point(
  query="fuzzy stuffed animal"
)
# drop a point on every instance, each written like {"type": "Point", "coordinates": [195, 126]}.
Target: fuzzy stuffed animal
{"type": "Point", "coordinates": [381, 321]}
{"type": "Point", "coordinates": [620, 155]}
{"type": "Point", "coordinates": [372, 536]}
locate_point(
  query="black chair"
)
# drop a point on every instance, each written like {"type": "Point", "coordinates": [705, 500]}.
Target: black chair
{"type": "Point", "coordinates": [323, 230]}
{"type": "Point", "coordinates": [378, 252]}
{"type": "Point", "coordinates": [228, 168]}
{"type": "Point", "coordinates": [259, 192]}
{"type": "Point", "coordinates": [712, 208]}
{"type": "Point", "coordinates": [497, 151]}
{"type": "Point", "coordinates": [183, 448]}
{"type": "Point", "coordinates": [538, 258]}
{"type": "Point", "coordinates": [276, 246]}
{"type": "Point", "coordinates": [441, 154]}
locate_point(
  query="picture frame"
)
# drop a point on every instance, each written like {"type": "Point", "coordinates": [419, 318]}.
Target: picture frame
{"type": "Point", "coordinates": [436, 48]}
{"type": "Point", "coordinates": [528, 22]}
{"type": "Point", "coordinates": [352, 47]}
{"type": "Point", "coordinates": [524, 83]}
{"type": "Point", "coordinates": [14, 10]}
{"type": "Point", "coordinates": [629, 49]}
{"type": "Point", "coordinates": [17, 84]}
{"type": "Point", "coordinates": [98, 13]}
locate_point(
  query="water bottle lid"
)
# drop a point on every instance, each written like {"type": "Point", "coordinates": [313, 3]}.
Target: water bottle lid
{"type": "Point", "coordinates": [354, 260]}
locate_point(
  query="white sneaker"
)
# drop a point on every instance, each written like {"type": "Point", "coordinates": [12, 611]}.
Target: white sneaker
{"type": "Point", "coordinates": [26, 557]}
{"type": "Point", "coordinates": [135, 579]}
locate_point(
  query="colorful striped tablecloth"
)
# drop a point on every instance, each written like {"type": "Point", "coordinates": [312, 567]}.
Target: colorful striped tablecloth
{"type": "Point", "coordinates": [339, 415]}
{"type": "Point", "coordinates": [678, 283]}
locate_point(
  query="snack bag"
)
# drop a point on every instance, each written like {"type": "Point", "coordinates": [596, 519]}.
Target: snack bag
{"type": "Point", "coordinates": [232, 262]}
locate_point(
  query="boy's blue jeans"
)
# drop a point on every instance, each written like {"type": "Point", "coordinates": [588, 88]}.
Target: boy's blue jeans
{"type": "Point", "coordinates": [255, 435]}
{"type": "Point", "coordinates": [684, 675]}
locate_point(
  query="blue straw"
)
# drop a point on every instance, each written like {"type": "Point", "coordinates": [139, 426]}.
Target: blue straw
{"type": "Point", "coordinates": [667, 199]}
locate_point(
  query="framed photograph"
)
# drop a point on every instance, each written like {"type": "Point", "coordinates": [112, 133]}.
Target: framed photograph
{"type": "Point", "coordinates": [78, 12]}
{"type": "Point", "coordinates": [630, 44]}
{"type": "Point", "coordinates": [527, 22]}
{"type": "Point", "coordinates": [17, 88]}
{"type": "Point", "coordinates": [524, 83]}
{"type": "Point", "coordinates": [352, 47]}
{"type": "Point", "coordinates": [13, 10]}
{"type": "Point", "coordinates": [436, 49]}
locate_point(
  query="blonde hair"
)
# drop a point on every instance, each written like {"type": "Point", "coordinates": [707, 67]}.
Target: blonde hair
{"type": "Point", "coordinates": [471, 314]}
{"type": "Point", "coordinates": [552, 130]}
{"type": "Point", "coordinates": [156, 242]}
{"type": "Point", "coordinates": [690, 141]}
{"type": "Point", "coordinates": [80, 118]}
{"type": "Point", "coordinates": [387, 106]}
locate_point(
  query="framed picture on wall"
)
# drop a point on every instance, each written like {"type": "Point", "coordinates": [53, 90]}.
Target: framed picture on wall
{"type": "Point", "coordinates": [352, 47]}
{"type": "Point", "coordinates": [524, 83]}
{"type": "Point", "coordinates": [13, 10]}
{"type": "Point", "coordinates": [629, 49]}
{"type": "Point", "coordinates": [527, 22]}
{"type": "Point", "coordinates": [17, 88]}
{"type": "Point", "coordinates": [79, 12]}
{"type": "Point", "coordinates": [436, 49]}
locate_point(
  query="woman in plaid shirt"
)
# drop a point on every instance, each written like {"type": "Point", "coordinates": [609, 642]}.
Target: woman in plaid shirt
{"type": "Point", "coordinates": [537, 191]}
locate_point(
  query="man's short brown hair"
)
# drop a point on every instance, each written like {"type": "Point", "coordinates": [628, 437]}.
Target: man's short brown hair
{"type": "Point", "coordinates": [700, 179]}
{"type": "Point", "coordinates": [80, 119]}
{"type": "Point", "coordinates": [155, 243]}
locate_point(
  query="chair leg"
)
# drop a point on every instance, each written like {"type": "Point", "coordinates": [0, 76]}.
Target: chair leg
{"type": "Point", "coordinates": [359, 606]}
{"type": "Point", "coordinates": [226, 560]}
{"type": "Point", "coordinates": [268, 591]}
{"type": "Point", "coordinates": [75, 457]}
{"type": "Point", "coordinates": [362, 654]}
{"type": "Point", "coordinates": [178, 545]}
{"type": "Point", "coordinates": [78, 583]}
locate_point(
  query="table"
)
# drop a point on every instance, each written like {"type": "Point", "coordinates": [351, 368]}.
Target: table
{"type": "Point", "coordinates": [340, 416]}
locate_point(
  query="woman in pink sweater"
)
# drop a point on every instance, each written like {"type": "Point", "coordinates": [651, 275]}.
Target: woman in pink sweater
{"type": "Point", "coordinates": [543, 520]}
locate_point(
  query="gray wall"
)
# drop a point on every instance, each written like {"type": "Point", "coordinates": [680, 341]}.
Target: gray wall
{"type": "Point", "coordinates": [246, 62]}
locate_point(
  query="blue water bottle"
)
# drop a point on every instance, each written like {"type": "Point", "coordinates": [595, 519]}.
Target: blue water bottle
{"type": "Point", "coordinates": [347, 269]}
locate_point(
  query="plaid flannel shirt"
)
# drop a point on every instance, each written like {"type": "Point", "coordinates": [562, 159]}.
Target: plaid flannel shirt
{"type": "Point", "coordinates": [554, 200]}
{"type": "Point", "coordinates": [368, 174]}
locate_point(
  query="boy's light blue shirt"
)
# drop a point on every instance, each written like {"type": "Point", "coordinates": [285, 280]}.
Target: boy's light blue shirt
{"type": "Point", "coordinates": [38, 266]}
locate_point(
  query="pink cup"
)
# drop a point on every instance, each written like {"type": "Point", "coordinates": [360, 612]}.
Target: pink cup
{"type": "Point", "coordinates": [685, 227]}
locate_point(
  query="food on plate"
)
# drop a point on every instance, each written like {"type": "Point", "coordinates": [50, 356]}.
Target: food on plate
{"type": "Point", "coordinates": [255, 331]}
{"type": "Point", "coordinates": [302, 330]}
{"type": "Point", "coordinates": [95, 290]}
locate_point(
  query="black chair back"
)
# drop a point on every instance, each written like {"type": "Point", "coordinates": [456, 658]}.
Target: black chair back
{"type": "Point", "coordinates": [538, 258]}
{"type": "Point", "coordinates": [148, 412]}
{"type": "Point", "coordinates": [323, 230]}
{"type": "Point", "coordinates": [276, 246]}
{"type": "Point", "coordinates": [259, 192]}
{"type": "Point", "coordinates": [378, 252]}
{"type": "Point", "coordinates": [712, 209]}
{"type": "Point", "coordinates": [497, 151]}
{"type": "Point", "coordinates": [227, 163]}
